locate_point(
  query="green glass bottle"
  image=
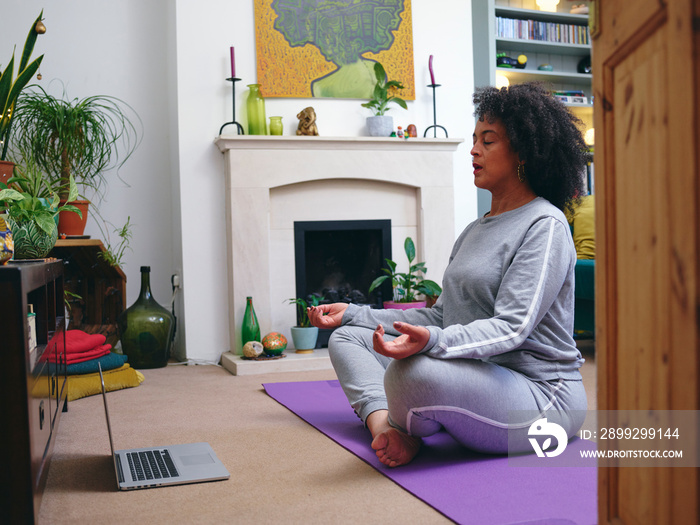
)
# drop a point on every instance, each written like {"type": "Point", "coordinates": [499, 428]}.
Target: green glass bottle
{"type": "Point", "coordinates": [257, 123]}
{"type": "Point", "coordinates": [250, 331]}
{"type": "Point", "coordinates": [146, 328]}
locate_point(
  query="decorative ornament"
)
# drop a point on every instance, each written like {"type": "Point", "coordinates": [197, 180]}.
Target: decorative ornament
{"type": "Point", "coordinates": [274, 343]}
{"type": "Point", "coordinates": [307, 122]}
{"type": "Point", "coordinates": [40, 28]}
{"type": "Point", "coordinates": [252, 349]}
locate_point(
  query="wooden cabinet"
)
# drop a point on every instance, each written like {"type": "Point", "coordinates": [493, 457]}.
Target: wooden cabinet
{"type": "Point", "coordinates": [32, 382]}
{"type": "Point", "coordinates": [96, 290]}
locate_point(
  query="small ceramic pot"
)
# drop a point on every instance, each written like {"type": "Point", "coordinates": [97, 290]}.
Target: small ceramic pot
{"type": "Point", "coordinates": [380, 125]}
{"type": "Point", "coordinates": [392, 305]}
{"type": "Point", "coordinates": [304, 338]}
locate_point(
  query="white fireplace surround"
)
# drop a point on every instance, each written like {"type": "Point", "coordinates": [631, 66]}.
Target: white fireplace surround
{"type": "Point", "coordinates": [273, 181]}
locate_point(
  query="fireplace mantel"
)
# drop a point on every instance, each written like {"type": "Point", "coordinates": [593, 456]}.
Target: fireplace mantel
{"type": "Point", "coordinates": [227, 142]}
{"type": "Point", "coordinates": [268, 179]}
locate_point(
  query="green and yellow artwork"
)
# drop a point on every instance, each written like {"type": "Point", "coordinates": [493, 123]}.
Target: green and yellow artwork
{"type": "Point", "coordinates": [327, 48]}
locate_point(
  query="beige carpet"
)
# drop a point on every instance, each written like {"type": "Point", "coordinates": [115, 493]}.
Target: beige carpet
{"type": "Point", "coordinates": [282, 469]}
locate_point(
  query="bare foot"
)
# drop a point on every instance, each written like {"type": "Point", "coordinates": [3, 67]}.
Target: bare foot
{"type": "Point", "coordinates": [393, 447]}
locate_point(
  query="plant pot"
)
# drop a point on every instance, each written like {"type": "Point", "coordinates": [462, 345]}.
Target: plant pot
{"type": "Point", "coordinates": [6, 169]}
{"type": "Point", "coordinates": [304, 338]}
{"type": "Point", "coordinates": [380, 125]}
{"type": "Point", "coordinates": [7, 246]}
{"type": "Point", "coordinates": [70, 223]}
{"type": "Point", "coordinates": [393, 305]}
{"type": "Point", "coordinates": [30, 241]}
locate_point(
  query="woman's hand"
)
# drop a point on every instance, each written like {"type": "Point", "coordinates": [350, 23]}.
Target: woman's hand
{"type": "Point", "coordinates": [327, 315]}
{"type": "Point", "coordinates": [411, 341]}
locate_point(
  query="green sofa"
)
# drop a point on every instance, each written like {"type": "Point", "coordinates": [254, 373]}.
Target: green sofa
{"type": "Point", "coordinates": [584, 309]}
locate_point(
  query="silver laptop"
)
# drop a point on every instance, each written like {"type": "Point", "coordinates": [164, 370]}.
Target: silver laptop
{"type": "Point", "coordinates": [142, 468]}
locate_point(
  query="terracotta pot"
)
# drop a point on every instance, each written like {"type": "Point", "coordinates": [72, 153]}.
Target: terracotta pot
{"type": "Point", "coordinates": [6, 168]}
{"type": "Point", "coordinates": [70, 223]}
{"type": "Point", "coordinates": [392, 305]}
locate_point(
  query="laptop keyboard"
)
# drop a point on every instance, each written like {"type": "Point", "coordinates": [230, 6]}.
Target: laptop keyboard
{"type": "Point", "coordinates": [151, 464]}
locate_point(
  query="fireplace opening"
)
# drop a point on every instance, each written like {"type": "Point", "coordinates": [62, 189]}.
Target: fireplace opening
{"type": "Point", "coordinates": [338, 260]}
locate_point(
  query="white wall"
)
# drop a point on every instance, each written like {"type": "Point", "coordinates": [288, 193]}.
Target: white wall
{"type": "Point", "coordinates": [169, 60]}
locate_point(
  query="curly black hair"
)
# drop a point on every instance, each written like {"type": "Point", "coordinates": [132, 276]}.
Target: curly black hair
{"type": "Point", "coordinates": [544, 134]}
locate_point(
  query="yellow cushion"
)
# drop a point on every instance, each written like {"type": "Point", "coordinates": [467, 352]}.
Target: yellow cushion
{"type": "Point", "coordinates": [82, 385]}
{"type": "Point", "coordinates": [584, 228]}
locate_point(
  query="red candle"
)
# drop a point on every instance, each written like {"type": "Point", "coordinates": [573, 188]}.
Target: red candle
{"type": "Point", "coordinates": [430, 66]}
{"type": "Point", "coordinates": [233, 64]}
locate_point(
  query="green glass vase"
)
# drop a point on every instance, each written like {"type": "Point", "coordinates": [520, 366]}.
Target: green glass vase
{"type": "Point", "coordinates": [257, 123]}
{"type": "Point", "coordinates": [250, 331]}
{"type": "Point", "coordinates": [276, 126]}
{"type": "Point", "coordinates": [146, 328]}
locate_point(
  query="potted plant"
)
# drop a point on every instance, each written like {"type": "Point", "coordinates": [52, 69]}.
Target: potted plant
{"type": "Point", "coordinates": [408, 285]}
{"type": "Point", "coordinates": [31, 219]}
{"type": "Point", "coordinates": [381, 125]}
{"type": "Point", "coordinates": [10, 90]}
{"type": "Point", "coordinates": [78, 137]}
{"type": "Point", "coordinates": [304, 334]}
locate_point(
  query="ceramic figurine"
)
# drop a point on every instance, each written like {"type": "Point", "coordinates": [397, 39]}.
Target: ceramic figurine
{"type": "Point", "coordinates": [399, 132]}
{"type": "Point", "coordinates": [274, 343]}
{"type": "Point", "coordinates": [7, 245]}
{"type": "Point", "coordinates": [411, 130]}
{"type": "Point", "coordinates": [307, 122]}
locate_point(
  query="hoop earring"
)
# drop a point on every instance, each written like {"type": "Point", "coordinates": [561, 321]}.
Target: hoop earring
{"type": "Point", "coordinates": [521, 173]}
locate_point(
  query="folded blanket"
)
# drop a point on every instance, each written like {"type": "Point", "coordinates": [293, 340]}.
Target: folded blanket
{"type": "Point", "coordinates": [108, 362]}
{"type": "Point", "coordinates": [83, 385]}
{"type": "Point", "coordinates": [78, 341]}
{"type": "Point", "coordinates": [80, 346]}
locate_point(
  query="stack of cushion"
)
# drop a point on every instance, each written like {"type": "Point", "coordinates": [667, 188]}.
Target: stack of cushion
{"type": "Point", "coordinates": [84, 352]}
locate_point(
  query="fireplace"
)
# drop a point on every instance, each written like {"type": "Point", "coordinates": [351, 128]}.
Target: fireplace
{"type": "Point", "coordinates": [274, 182]}
{"type": "Point", "coordinates": [338, 260]}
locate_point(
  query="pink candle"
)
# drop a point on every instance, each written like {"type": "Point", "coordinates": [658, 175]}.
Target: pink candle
{"type": "Point", "coordinates": [430, 66]}
{"type": "Point", "coordinates": [233, 64]}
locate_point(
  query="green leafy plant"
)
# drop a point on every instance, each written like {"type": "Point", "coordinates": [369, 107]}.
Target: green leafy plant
{"type": "Point", "coordinates": [30, 207]}
{"type": "Point", "coordinates": [10, 89]}
{"type": "Point", "coordinates": [407, 285]}
{"type": "Point", "coordinates": [78, 137]}
{"type": "Point", "coordinates": [29, 179]}
{"type": "Point", "coordinates": [384, 92]}
{"type": "Point", "coordinates": [114, 255]}
{"type": "Point", "coordinates": [302, 305]}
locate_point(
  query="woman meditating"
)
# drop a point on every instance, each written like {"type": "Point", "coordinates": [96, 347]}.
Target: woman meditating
{"type": "Point", "coordinates": [499, 339]}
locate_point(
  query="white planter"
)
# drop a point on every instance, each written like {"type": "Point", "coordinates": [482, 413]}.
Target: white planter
{"type": "Point", "coordinates": [380, 126]}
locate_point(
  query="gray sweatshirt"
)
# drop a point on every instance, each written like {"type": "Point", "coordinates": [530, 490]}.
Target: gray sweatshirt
{"type": "Point", "coordinates": [508, 296]}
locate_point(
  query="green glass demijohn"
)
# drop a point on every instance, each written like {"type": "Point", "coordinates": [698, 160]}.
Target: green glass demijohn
{"type": "Point", "coordinates": [250, 330]}
{"type": "Point", "coordinates": [257, 123]}
{"type": "Point", "coordinates": [146, 328]}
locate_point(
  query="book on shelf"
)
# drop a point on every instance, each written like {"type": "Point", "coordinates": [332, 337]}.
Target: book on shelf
{"type": "Point", "coordinates": [542, 31]}
{"type": "Point", "coordinates": [572, 99]}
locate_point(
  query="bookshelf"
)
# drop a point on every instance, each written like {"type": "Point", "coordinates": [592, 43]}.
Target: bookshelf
{"type": "Point", "coordinates": [563, 56]}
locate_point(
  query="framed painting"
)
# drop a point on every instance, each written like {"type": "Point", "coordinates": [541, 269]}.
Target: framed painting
{"type": "Point", "coordinates": [327, 48]}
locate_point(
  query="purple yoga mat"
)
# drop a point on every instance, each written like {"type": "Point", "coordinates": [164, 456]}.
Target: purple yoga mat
{"type": "Point", "coordinates": [465, 486]}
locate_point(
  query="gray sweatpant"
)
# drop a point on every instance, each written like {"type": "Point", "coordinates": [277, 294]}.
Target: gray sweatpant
{"type": "Point", "coordinates": [478, 403]}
